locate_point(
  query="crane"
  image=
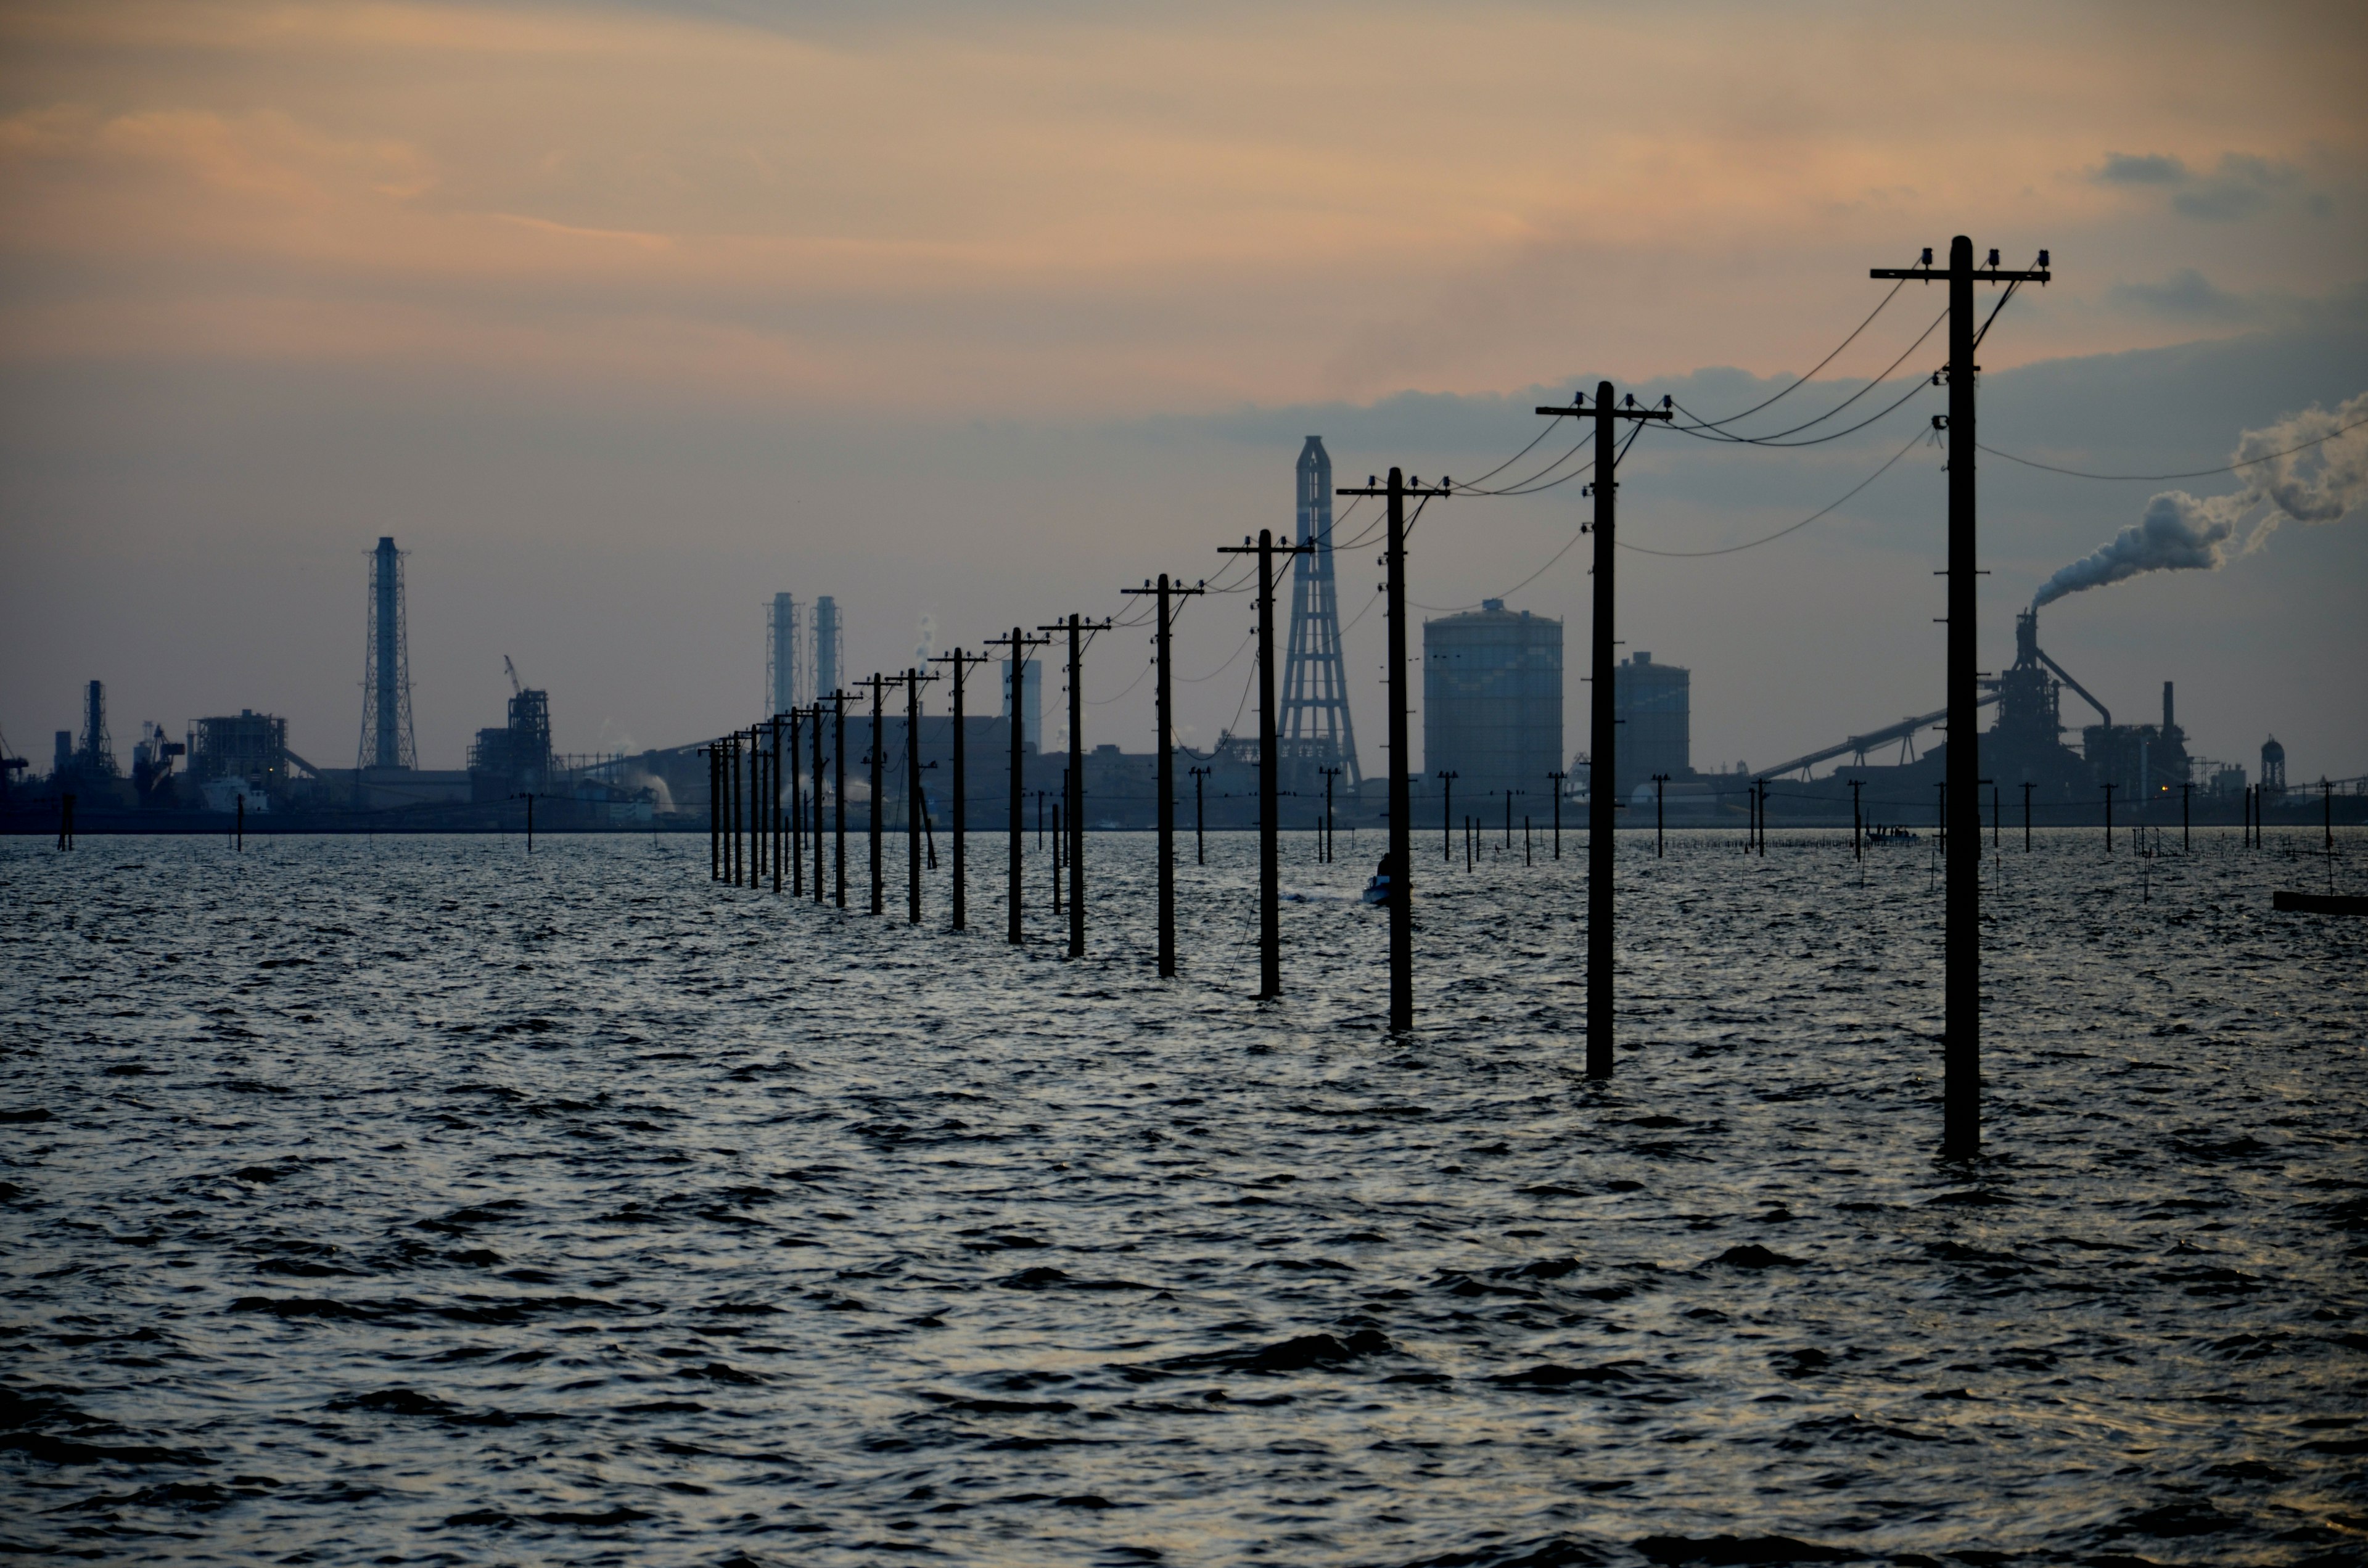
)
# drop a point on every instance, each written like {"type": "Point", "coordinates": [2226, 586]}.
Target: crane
{"type": "Point", "coordinates": [518, 686]}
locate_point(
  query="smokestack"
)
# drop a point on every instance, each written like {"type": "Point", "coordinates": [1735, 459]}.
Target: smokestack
{"type": "Point", "coordinates": [2166, 725]}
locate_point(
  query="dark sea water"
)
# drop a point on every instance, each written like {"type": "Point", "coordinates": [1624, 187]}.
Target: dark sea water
{"type": "Point", "coordinates": [412, 1201]}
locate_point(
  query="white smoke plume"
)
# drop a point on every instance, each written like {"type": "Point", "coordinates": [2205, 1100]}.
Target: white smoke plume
{"type": "Point", "coordinates": [925, 643]}
{"type": "Point", "coordinates": [2181, 532]}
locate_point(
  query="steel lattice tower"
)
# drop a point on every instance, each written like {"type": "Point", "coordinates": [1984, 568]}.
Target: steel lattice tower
{"type": "Point", "coordinates": [386, 669]}
{"type": "Point", "coordinates": [1314, 730]}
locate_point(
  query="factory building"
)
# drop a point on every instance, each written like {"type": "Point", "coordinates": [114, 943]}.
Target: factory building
{"type": "Point", "coordinates": [1654, 705]}
{"type": "Point", "coordinates": [1492, 703]}
{"type": "Point", "coordinates": [516, 758]}
{"type": "Point", "coordinates": [240, 754]}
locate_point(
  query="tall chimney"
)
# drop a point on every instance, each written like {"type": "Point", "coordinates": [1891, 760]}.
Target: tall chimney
{"type": "Point", "coordinates": [2167, 725]}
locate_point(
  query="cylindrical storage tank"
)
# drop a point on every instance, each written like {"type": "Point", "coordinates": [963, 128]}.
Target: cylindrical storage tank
{"type": "Point", "coordinates": [1491, 704]}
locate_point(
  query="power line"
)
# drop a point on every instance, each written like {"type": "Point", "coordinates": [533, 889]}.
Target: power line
{"type": "Point", "coordinates": [1780, 533]}
{"type": "Point", "coordinates": [2192, 473]}
{"type": "Point", "coordinates": [1508, 593]}
{"type": "Point", "coordinates": [1820, 365]}
{"type": "Point", "coordinates": [1775, 437]}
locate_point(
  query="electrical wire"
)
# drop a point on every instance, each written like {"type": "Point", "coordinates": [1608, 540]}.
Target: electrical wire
{"type": "Point", "coordinates": [1104, 701]}
{"type": "Point", "coordinates": [1247, 638]}
{"type": "Point", "coordinates": [2192, 473]}
{"type": "Point", "coordinates": [1780, 533]}
{"type": "Point", "coordinates": [1776, 438]}
{"type": "Point", "coordinates": [1820, 365]}
{"type": "Point", "coordinates": [1635, 431]}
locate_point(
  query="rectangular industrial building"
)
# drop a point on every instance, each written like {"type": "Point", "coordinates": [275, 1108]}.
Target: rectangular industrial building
{"type": "Point", "coordinates": [1492, 705]}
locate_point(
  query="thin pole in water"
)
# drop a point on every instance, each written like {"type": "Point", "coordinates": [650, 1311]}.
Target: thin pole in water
{"type": "Point", "coordinates": [1527, 858]}
{"type": "Point", "coordinates": [2026, 816]}
{"type": "Point", "coordinates": [1447, 816]}
{"type": "Point", "coordinates": [1164, 769]}
{"type": "Point", "coordinates": [797, 816]}
{"type": "Point", "coordinates": [961, 662]}
{"type": "Point", "coordinates": [1660, 790]}
{"type": "Point", "coordinates": [2109, 819]}
{"type": "Point", "coordinates": [1556, 778]}
{"type": "Point", "coordinates": [838, 763]}
{"type": "Point", "coordinates": [1199, 819]}
{"type": "Point", "coordinates": [1270, 769]}
{"type": "Point", "coordinates": [1019, 644]}
{"type": "Point", "coordinates": [2185, 844]}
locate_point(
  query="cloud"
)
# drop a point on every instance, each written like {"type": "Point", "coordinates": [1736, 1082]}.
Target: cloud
{"type": "Point", "coordinates": [2149, 168]}
{"type": "Point", "coordinates": [2186, 295]}
{"type": "Point", "coordinates": [2244, 184]}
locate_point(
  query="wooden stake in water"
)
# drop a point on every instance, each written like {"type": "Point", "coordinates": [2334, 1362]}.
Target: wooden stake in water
{"type": "Point", "coordinates": [1447, 819]}
{"type": "Point", "coordinates": [1557, 779]}
{"type": "Point", "coordinates": [1199, 819]}
{"type": "Point", "coordinates": [1660, 790]}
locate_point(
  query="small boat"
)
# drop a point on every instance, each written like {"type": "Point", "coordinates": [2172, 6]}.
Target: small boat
{"type": "Point", "coordinates": [1377, 891]}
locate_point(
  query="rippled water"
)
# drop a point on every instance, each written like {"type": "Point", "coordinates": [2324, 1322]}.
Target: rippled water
{"type": "Point", "coordinates": [414, 1201]}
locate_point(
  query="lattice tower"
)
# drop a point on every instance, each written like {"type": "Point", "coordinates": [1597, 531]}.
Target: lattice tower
{"type": "Point", "coordinates": [1313, 729]}
{"type": "Point", "coordinates": [386, 668]}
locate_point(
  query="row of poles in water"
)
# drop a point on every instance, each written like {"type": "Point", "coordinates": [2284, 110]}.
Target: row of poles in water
{"type": "Point", "coordinates": [768, 836]}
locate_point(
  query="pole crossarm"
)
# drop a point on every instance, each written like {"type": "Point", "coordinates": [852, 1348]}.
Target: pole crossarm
{"type": "Point", "coordinates": [1631, 411]}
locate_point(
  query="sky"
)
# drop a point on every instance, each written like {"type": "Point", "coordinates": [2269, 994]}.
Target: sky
{"type": "Point", "coordinates": [620, 318]}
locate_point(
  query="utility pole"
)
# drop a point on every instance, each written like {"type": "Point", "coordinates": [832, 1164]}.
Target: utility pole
{"type": "Point", "coordinates": [1323, 844]}
{"type": "Point", "coordinates": [773, 799]}
{"type": "Point", "coordinates": [916, 808]}
{"type": "Point", "coordinates": [816, 745]}
{"type": "Point", "coordinates": [1269, 865]}
{"type": "Point", "coordinates": [714, 815]}
{"type": "Point", "coordinates": [1961, 1136]}
{"type": "Point", "coordinates": [2109, 819]}
{"type": "Point", "coordinates": [876, 754]}
{"type": "Point", "coordinates": [1074, 787]}
{"type": "Point", "coordinates": [1167, 593]}
{"type": "Point", "coordinates": [1858, 851]}
{"type": "Point", "coordinates": [1199, 819]}
{"type": "Point", "coordinates": [1447, 815]}
{"type": "Point", "coordinates": [838, 766]}
{"type": "Point", "coordinates": [961, 662]}
{"type": "Point", "coordinates": [1557, 779]}
{"type": "Point", "coordinates": [1019, 644]}
{"type": "Point", "coordinates": [1601, 742]}
{"type": "Point", "coordinates": [1661, 786]}
{"type": "Point", "coordinates": [1401, 798]}
{"type": "Point", "coordinates": [797, 813]}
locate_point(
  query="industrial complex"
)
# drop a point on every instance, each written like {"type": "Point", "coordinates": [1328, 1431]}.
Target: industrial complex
{"type": "Point", "coordinates": [1492, 725]}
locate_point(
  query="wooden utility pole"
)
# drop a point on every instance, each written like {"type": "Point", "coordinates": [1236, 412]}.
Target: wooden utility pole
{"type": "Point", "coordinates": [1557, 779]}
{"type": "Point", "coordinates": [1080, 633]}
{"type": "Point", "coordinates": [961, 662]}
{"type": "Point", "coordinates": [1603, 773]}
{"type": "Point", "coordinates": [1324, 841]}
{"type": "Point", "coordinates": [1401, 755]}
{"type": "Point", "coordinates": [1961, 1136]}
{"type": "Point", "coordinates": [1660, 790]}
{"type": "Point", "coordinates": [1199, 818]}
{"type": "Point", "coordinates": [1447, 815]}
{"type": "Point", "coordinates": [1270, 769]}
{"type": "Point", "coordinates": [1019, 642]}
{"type": "Point", "coordinates": [1166, 593]}
{"type": "Point", "coordinates": [876, 754]}
{"type": "Point", "coordinates": [915, 807]}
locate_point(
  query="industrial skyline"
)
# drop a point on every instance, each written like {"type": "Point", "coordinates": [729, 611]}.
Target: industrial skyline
{"type": "Point", "coordinates": [606, 488]}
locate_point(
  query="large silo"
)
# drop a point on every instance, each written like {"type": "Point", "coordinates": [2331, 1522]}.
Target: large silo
{"type": "Point", "coordinates": [1652, 702]}
{"type": "Point", "coordinates": [1491, 704]}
